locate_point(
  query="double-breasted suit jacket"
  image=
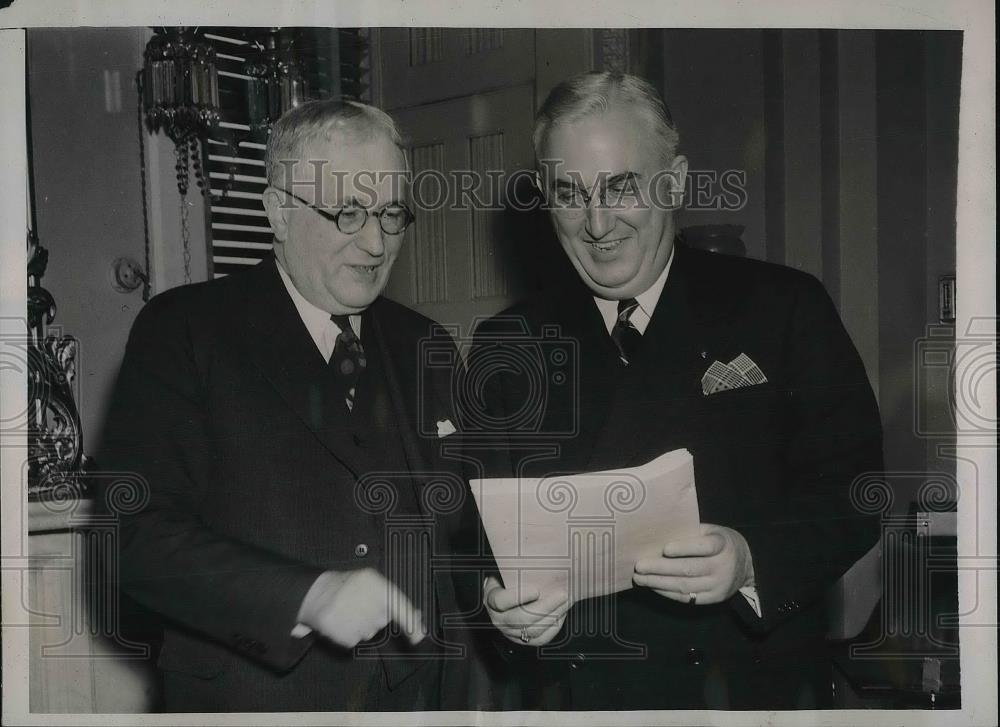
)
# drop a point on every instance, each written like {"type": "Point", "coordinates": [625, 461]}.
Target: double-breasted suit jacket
{"type": "Point", "coordinates": [775, 461]}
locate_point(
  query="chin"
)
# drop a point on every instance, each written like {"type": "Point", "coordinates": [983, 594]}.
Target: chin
{"type": "Point", "coordinates": [362, 302]}
{"type": "Point", "coordinates": [609, 283]}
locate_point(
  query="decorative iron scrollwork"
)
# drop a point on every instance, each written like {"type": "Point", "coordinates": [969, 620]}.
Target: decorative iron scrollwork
{"type": "Point", "coordinates": [55, 437]}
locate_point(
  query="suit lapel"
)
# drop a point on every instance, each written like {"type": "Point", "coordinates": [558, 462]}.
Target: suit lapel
{"type": "Point", "coordinates": [285, 353]}
{"type": "Point", "coordinates": [398, 406]}
{"type": "Point", "coordinates": [403, 408]}
{"type": "Point", "coordinates": [581, 322]}
{"type": "Point", "coordinates": [656, 394]}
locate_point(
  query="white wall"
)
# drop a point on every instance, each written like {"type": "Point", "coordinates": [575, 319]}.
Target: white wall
{"type": "Point", "coordinates": [88, 191]}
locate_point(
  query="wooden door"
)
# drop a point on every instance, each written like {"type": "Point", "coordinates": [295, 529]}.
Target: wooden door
{"type": "Point", "coordinates": [457, 263]}
{"type": "Point", "coordinates": [465, 100]}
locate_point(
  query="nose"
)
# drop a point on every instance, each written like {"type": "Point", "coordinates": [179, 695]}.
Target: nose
{"type": "Point", "coordinates": [369, 238]}
{"type": "Point", "coordinates": [600, 220]}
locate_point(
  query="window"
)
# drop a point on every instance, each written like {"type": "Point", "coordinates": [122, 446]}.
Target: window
{"type": "Point", "coordinates": [336, 64]}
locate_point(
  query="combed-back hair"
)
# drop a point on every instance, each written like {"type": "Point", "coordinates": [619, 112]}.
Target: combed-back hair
{"type": "Point", "coordinates": [599, 92]}
{"type": "Point", "coordinates": [356, 122]}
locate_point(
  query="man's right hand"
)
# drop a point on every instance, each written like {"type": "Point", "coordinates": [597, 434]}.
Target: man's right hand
{"type": "Point", "coordinates": [525, 618]}
{"type": "Point", "coordinates": [349, 607]}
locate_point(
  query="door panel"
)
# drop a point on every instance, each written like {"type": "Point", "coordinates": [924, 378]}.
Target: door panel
{"type": "Point", "coordinates": [422, 65]}
{"type": "Point", "coordinates": [458, 261]}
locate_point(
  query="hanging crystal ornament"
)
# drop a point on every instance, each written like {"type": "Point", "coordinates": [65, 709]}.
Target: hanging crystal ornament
{"type": "Point", "coordinates": [181, 96]}
{"type": "Point", "coordinates": [277, 82]}
{"type": "Point", "coordinates": [181, 84]}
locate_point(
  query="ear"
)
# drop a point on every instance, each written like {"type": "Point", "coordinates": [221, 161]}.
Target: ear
{"type": "Point", "coordinates": [678, 180]}
{"type": "Point", "coordinates": [277, 209]}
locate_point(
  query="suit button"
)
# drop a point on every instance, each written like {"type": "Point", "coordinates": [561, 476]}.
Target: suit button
{"type": "Point", "coordinates": [358, 441]}
{"type": "Point", "coordinates": [695, 656]}
{"type": "Point", "coordinates": [360, 550]}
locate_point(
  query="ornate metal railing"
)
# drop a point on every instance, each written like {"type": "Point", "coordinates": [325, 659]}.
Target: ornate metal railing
{"type": "Point", "coordinates": [55, 437]}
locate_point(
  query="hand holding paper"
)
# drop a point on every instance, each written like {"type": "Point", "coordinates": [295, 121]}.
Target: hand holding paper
{"type": "Point", "coordinates": [526, 617]}
{"type": "Point", "coordinates": [713, 566]}
{"type": "Point", "coordinates": [582, 534]}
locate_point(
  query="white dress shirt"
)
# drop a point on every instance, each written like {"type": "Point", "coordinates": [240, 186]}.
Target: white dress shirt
{"type": "Point", "coordinates": [323, 331]}
{"type": "Point", "coordinates": [640, 318]}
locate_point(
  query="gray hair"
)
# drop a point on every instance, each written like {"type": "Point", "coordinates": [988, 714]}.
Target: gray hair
{"type": "Point", "coordinates": [599, 92]}
{"type": "Point", "coordinates": [324, 119]}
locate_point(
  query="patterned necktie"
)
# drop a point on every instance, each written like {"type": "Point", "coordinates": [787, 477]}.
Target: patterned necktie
{"type": "Point", "coordinates": [624, 334]}
{"type": "Point", "coordinates": [348, 358]}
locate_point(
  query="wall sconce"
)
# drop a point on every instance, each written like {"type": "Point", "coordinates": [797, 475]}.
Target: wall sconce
{"type": "Point", "coordinates": [277, 83]}
{"type": "Point", "coordinates": [180, 86]}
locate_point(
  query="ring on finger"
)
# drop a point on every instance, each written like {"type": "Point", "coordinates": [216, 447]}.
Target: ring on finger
{"type": "Point", "coordinates": [525, 636]}
{"type": "Point", "coordinates": [692, 598]}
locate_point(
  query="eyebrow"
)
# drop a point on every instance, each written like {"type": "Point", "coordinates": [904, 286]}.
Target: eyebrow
{"type": "Point", "coordinates": [352, 201]}
{"type": "Point", "coordinates": [622, 177]}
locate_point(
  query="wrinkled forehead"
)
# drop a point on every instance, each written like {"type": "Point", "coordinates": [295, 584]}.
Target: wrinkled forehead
{"type": "Point", "coordinates": [596, 147]}
{"type": "Point", "coordinates": [369, 169]}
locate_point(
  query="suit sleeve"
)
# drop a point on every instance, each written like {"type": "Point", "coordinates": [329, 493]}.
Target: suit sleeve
{"type": "Point", "coordinates": [832, 436]}
{"type": "Point", "coordinates": [159, 429]}
{"type": "Point", "coordinates": [485, 418]}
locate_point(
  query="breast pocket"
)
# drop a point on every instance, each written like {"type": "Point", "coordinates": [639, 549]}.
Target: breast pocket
{"type": "Point", "coordinates": [738, 458]}
{"type": "Point", "coordinates": [748, 417]}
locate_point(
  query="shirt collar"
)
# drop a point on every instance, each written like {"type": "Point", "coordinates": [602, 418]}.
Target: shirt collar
{"type": "Point", "coordinates": [647, 301]}
{"type": "Point", "coordinates": [317, 321]}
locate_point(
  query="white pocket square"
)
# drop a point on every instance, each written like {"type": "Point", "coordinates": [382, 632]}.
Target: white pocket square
{"type": "Point", "coordinates": [740, 372]}
{"type": "Point", "coordinates": [445, 427]}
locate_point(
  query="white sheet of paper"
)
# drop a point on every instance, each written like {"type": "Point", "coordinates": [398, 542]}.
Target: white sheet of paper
{"type": "Point", "coordinates": [583, 533]}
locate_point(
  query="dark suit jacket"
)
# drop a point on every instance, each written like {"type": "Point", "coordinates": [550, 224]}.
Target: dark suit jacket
{"type": "Point", "coordinates": [774, 461]}
{"type": "Point", "coordinates": [257, 481]}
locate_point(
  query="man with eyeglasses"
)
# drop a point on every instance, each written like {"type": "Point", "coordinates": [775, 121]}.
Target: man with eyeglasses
{"type": "Point", "coordinates": [745, 364]}
{"type": "Point", "coordinates": [273, 414]}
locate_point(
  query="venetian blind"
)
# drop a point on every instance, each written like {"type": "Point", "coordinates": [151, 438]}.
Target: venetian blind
{"type": "Point", "coordinates": [336, 64]}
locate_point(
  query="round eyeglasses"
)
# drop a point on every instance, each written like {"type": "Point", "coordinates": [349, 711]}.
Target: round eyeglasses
{"type": "Point", "coordinates": [393, 218]}
{"type": "Point", "coordinates": [621, 193]}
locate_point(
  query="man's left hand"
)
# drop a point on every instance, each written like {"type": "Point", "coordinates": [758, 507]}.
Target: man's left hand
{"type": "Point", "coordinates": [712, 566]}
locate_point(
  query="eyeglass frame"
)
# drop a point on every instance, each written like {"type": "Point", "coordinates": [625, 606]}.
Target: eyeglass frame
{"type": "Point", "coordinates": [601, 192]}
{"type": "Point", "coordinates": [335, 216]}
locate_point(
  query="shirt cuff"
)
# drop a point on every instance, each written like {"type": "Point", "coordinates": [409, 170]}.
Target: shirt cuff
{"type": "Point", "coordinates": [748, 592]}
{"type": "Point", "coordinates": [300, 631]}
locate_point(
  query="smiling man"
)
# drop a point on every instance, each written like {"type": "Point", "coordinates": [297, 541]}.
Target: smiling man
{"type": "Point", "coordinates": [743, 363]}
{"type": "Point", "coordinates": [259, 409]}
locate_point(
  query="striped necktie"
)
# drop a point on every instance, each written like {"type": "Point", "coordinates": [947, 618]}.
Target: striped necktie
{"type": "Point", "coordinates": [625, 335]}
{"type": "Point", "coordinates": [348, 359]}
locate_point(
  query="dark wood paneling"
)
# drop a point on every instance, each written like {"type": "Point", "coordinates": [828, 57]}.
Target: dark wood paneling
{"type": "Point", "coordinates": [774, 143]}
{"type": "Point", "coordinates": [902, 243]}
